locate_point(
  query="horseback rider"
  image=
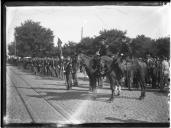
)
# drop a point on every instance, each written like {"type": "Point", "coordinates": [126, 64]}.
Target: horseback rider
{"type": "Point", "coordinates": [125, 50]}
{"type": "Point", "coordinates": [103, 48]}
{"type": "Point", "coordinates": [96, 59]}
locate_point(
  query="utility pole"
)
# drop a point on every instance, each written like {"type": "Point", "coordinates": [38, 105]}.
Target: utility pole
{"type": "Point", "coordinates": [81, 32]}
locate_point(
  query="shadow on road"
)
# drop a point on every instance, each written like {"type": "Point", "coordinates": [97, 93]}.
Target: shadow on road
{"type": "Point", "coordinates": [62, 95]}
{"type": "Point", "coordinates": [83, 79]}
{"type": "Point", "coordinates": [161, 93]}
{"type": "Point", "coordinates": [47, 78]}
{"type": "Point", "coordinates": [125, 121]}
{"type": "Point", "coordinates": [38, 88]}
{"type": "Point", "coordinates": [74, 94]}
{"type": "Point", "coordinates": [121, 97]}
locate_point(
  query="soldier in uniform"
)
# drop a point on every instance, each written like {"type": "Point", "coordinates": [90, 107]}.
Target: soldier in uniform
{"type": "Point", "coordinates": [125, 51]}
{"type": "Point", "coordinates": [103, 51]}
{"type": "Point", "coordinates": [103, 48]}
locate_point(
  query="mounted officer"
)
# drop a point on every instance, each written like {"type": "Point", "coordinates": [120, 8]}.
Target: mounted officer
{"type": "Point", "coordinates": [125, 50]}
{"type": "Point", "coordinates": [103, 48]}
{"type": "Point", "coordinates": [103, 51]}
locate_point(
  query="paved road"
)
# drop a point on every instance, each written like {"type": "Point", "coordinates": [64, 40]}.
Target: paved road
{"type": "Point", "coordinates": [39, 99]}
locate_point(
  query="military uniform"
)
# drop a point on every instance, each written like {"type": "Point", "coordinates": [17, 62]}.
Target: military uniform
{"type": "Point", "coordinates": [125, 50]}
{"type": "Point", "coordinates": [103, 50]}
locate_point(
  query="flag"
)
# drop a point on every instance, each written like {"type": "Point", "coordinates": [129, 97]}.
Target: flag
{"type": "Point", "coordinates": [60, 48]}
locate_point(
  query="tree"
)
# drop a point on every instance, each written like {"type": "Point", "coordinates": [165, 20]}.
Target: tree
{"type": "Point", "coordinates": [112, 37]}
{"type": "Point", "coordinates": [33, 40]}
{"type": "Point", "coordinates": [142, 45]}
{"type": "Point", "coordinates": [69, 49]}
{"type": "Point", "coordinates": [87, 46]}
{"type": "Point", "coordinates": [163, 46]}
{"type": "Point", "coordinates": [11, 48]}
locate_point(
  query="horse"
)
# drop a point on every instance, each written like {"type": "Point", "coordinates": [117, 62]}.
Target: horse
{"type": "Point", "coordinates": [115, 72]}
{"type": "Point", "coordinates": [136, 68]}
{"type": "Point", "coordinates": [87, 63]}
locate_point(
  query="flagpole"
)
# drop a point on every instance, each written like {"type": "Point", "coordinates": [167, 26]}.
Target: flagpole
{"type": "Point", "coordinates": [15, 44]}
{"type": "Point", "coordinates": [61, 57]}
{"type": "Point", "coordinates": [60, 48]}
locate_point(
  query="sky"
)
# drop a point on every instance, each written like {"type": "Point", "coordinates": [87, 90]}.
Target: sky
{"type": "Point", "coordinates": [66, 21]}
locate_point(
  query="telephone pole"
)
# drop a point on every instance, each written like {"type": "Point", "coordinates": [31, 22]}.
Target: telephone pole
{"type": "Point", "coordinates": [81, 32]}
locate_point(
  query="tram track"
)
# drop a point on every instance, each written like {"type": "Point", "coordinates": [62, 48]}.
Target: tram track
{"type": "Point", "coordinates": [22, 99]}
{"type": "Point", "coordinates": [64, 113]}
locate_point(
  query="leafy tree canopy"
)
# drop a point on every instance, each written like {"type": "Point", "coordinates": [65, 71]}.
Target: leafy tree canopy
{"type": "Point", "coordinates": [32, 39]}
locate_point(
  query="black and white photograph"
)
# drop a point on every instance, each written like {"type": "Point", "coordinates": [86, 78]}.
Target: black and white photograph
{"type": "Point", "coordinates": [87, 64]}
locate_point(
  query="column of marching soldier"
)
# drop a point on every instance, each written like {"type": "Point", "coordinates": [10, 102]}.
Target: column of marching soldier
{"type": "Point", "coordinates": [40, 66]}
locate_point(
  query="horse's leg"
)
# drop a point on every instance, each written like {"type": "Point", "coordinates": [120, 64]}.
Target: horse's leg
{"type": "Point", "coordinates": [67, 80]}
{"type": "Point", "coordinates": [119, 88]}
{"type": "Point", "coordinates": [75, 79]}
{"type": "Point", "coordinates": [154, 78]}
{"type": "Point", "coordinates": [93, 85]}
{"type": "Point", "coordinates": [142, 84]}
{"type": "Point", "coordinates": [128, 80]}
{"type": "Point", "coordinates": [131, 79]}
{"type": "Point", "coordinates": [100, 82]}
{"type": "Point", "coordinates": [112, 86]}
{"type": "Point", "coordinates": [70, 80]}
{"type": "Point", "coordinates": [128, 83]}
{"type": "Point", "coordinates": [90, 84]}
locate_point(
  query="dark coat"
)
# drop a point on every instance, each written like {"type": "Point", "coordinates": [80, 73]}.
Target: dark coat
{"type": "Point", "coordinates": [125, 49]}
{"type": "Point", "coordinates": [104, 50]}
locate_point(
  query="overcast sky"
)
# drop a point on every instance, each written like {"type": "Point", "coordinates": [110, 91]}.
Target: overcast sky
{"type": "Point", "coordinates": [66, 22]}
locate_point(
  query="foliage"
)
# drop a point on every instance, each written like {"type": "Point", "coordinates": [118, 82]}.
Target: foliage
{"type": "Point", "coordinates": [113, 37]}
{"type": "Point", "coordinates": [69, 49]}
{"type": "Point", "coordinates": [11, 48]}
{"type": "Point", "coordinates": [163, 47]}
{"type": "Point", "coordinates": [33, 40]}
{"type": "Point", "coordinates": [141, 45]}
